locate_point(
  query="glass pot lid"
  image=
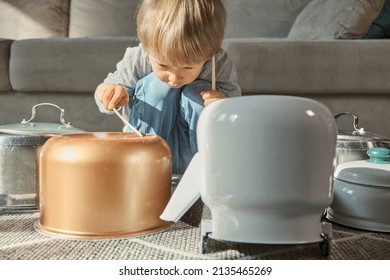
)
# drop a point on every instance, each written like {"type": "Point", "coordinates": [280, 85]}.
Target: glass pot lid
{"type": "Point", "coordinates": [27, 127]}
{"type": "Point", "coordinates": [358, 134]}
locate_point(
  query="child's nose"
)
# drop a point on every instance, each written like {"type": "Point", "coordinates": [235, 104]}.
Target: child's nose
{"type": "Point", "coordinates": [174, 77]}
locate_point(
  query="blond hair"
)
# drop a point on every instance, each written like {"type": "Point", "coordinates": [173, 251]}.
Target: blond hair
{"type": "Point", "coordinates": [181, 32]}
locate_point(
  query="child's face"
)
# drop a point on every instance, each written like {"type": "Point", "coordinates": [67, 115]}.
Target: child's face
{"type": "Point", "coordinates": [175, 76]}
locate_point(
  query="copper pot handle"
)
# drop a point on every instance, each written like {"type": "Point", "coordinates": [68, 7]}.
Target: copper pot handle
{"type": "Point", "coordinates": [33, 113]}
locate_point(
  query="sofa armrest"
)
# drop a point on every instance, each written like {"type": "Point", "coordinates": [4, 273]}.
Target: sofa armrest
{"type": "Point", "coordinates": [64, 64]}
{"type": "Point", "coordinates": [282, 66]}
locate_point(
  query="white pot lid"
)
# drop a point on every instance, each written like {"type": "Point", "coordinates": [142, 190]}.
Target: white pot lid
{"type": "Point", "coordinates": [372, 172]}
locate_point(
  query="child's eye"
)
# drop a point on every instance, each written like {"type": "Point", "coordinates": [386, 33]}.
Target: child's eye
{"type": "Point", "coordinates": [189, 68]}
{"type": "Point", "coordinates": [162, 65]}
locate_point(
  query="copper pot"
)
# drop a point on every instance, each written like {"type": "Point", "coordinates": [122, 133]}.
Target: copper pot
{"type": "Point", "coordinates": [103, 185]}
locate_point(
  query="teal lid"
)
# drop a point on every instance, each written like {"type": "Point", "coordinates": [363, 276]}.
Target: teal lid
{"type": "Point", "coordinates": [378, 155]}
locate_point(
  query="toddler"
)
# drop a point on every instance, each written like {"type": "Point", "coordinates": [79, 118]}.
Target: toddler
{"type": "Point", "coordinates": [166, 81]}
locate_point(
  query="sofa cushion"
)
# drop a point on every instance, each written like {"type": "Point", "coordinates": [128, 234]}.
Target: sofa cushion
{"type": "Point", "coordinates": [328, 67]}
{"type": "Point", "coordinates": [4, 63]}
{"type": "Point", "coordinates": [64, 64]}
{"type": "Point", "coordinates": [95, 18]}
{"type": "Point", "coordinates": [380, 28]}
{"type": "Point", "coordinates": [347, 19]}
{"type": "Point", "coordinates": [23, 19]}
{"type": "Point", "coordinates": [261, 18]}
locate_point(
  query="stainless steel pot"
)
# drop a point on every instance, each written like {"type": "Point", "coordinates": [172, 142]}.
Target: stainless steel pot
{"type": "Point", "coordinates": [20, 144]}
{"type": "Point", "coordinates": [353, 145]}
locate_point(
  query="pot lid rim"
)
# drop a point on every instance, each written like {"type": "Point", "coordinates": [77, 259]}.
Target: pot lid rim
{"type": "Point", "coordinates": [38, 128]}
{"type": "Point", "coordinates": [363, 184]}
{"type": "Point", "coordinates": [364, 173]}
{"type": "Point", "coordinates": [357, 136]}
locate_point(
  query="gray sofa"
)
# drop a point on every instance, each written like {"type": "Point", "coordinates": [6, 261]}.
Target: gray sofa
{"type": "Point", "coordinates": [280, 47]}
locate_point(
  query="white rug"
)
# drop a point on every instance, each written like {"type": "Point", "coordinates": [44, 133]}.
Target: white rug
{"type": "Point", "coordinates": [19, 241]}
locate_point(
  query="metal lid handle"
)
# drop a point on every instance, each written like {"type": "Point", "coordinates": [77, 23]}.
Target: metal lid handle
{"type": "Point", "coordinates": [355, 120]}
{"type": "Point", "coordinates": [33, 113]}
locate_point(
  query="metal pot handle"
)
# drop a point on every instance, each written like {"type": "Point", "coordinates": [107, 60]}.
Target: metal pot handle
{"type": "Point", "coordinates": [33, 113]}
{"type": "Point", "coordinates": [355, 120]}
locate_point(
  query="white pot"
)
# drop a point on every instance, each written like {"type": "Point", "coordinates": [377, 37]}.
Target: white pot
{"type": "Point", "coordinates": [267, 162]}
{"type": "Point", "coordinates": [264, 168]}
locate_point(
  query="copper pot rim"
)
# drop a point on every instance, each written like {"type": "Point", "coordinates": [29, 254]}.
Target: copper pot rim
{"type": "Point", "coordinates": [72, 235]}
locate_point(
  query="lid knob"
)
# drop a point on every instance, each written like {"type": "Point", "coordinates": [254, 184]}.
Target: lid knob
{"type": "Point", "coordinates": [378, 155]}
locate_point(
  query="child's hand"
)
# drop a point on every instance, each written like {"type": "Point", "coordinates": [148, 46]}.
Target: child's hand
{"type": "Point", "coordinates": [112, 95]}
{"type": "Point", "coordinates": [210, 96]}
